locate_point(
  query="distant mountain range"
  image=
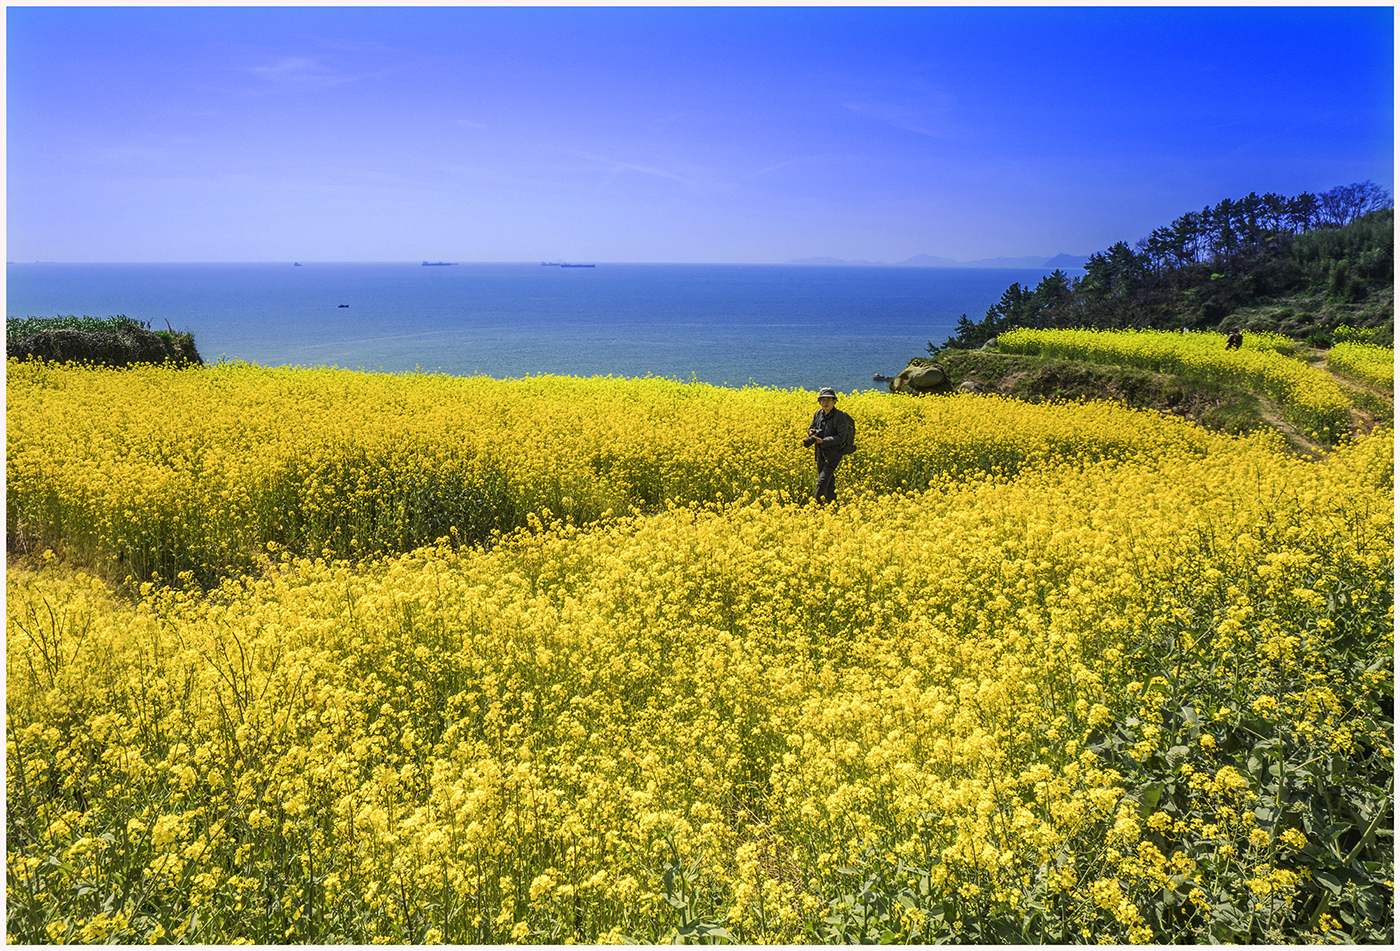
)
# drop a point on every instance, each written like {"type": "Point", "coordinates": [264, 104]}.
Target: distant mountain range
{"type": "Point", "coordinates": [929, 260]}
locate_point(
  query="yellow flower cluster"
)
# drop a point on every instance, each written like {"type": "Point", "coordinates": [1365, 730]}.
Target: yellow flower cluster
{"type": "Point", "coordinates": [1365, 362]}
{"type": "Point", "coordinates": [155, 471]}
{"type": "Point", "coordinates": [1308, 397]}
{"type": "Point", "coordinates": [1005, 685]}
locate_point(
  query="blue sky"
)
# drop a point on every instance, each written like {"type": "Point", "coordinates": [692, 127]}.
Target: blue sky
{"type": "Point", "coordinates": [711, 134]}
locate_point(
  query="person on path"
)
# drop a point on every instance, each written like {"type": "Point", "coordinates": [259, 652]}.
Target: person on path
{"type": "Point", "coordinates": [833, 434]}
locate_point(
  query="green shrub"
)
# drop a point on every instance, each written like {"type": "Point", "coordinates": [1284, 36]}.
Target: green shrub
{"type": "Point", "coordinates": [19, 327]}
{"type": "Point", "coordinates": [1345, 334]}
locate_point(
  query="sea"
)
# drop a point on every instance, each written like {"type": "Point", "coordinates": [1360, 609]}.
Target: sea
{"type": "Point", "coordinates": [781, 326]}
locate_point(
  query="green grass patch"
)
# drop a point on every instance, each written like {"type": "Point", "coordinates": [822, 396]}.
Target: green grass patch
{"type": "Point", "coordinates": [1215, 406]}
{"type": "Point", "coordinates": [17, 328]}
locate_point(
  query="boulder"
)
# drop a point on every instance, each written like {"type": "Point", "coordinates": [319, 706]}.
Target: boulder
{"type": "Point", "coordinates": [919, 378]}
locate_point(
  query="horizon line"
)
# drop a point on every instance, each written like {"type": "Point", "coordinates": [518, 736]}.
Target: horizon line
{"type": "Point", "coordinates": [819, 261]}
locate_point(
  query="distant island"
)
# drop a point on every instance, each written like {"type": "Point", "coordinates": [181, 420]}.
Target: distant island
{"type": "Point", "coordinates": [929, 260]}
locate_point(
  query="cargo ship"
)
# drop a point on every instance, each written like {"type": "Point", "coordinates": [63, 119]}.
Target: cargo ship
{"type": "Point", "coordinates": [439, 263]}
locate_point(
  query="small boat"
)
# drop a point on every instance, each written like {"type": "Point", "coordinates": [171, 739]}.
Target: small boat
{"type": "Point", "coordinates": [342, 305]}
{"type": "Point", "coordinates": [296, 264]}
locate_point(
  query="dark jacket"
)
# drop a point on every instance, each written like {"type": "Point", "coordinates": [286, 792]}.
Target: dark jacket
{"type": "Point", "coordinates": [837, 433]}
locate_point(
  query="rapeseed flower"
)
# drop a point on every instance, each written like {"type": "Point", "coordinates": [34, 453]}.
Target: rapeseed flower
{"type": "Point", "coordinates": [1010, 673]}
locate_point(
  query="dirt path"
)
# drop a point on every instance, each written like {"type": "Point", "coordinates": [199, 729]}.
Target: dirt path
{"type": "Point", "coordinates": [1363, 415]}
{"type": "Point", "coordinates": [1296, 439]}
{"type": "Point", "coordinates": [1369, 407]}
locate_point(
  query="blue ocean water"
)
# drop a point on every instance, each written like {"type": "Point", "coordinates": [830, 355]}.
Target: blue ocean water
{"type": "Point", "coordinates": [730, 325]}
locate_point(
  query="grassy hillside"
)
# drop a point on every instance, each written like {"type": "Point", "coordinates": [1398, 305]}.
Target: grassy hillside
{"type": "Point", "coordinates": [100, 341]}
{"type": "Point", "coordinates": [1314, 317]}
{"type": "Point", "coordinates": [1216, 403]}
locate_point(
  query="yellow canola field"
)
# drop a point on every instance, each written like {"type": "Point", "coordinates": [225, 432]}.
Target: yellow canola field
{"type": "Point", "coordinates": [156, 471]}
{"type": "Point", "coordinates": [1307, 396]}
{"type": "Point", "coordinates": [1365, 362]}
{"type": "Point", "coordinates": [1033, 696]}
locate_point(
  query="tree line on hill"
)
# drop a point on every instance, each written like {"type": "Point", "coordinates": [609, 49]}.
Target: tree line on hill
{"type": "Point", "coordinates": [1336, 248]}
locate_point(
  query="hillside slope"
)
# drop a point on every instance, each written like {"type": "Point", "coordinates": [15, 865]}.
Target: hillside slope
{"type": "Point", "coordinates": [1215, 407]}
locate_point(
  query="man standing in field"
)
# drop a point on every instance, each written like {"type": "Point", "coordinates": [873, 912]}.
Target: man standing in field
{"type": "Point", "coordinates": [833, 433]}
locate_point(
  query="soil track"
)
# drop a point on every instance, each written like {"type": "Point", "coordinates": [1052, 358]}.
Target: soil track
{"type": "Point", "coordinates": [1363, 417]}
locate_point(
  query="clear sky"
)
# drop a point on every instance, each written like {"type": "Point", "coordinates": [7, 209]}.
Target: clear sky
{"type": "Point", "coordinates": [712, 134]}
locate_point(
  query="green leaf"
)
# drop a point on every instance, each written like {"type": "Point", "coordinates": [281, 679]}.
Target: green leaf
{"type": "Point", "coordinates": [1334, 831]}
{"type": "Point", "coordinates": [1148, 797]}
{"type": "Point", "coordinates": [1329, 882]}
{"type": "Point", "coordinates": [1227, 918]}
{"type": "Point", "coordinates": [703, 929]}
